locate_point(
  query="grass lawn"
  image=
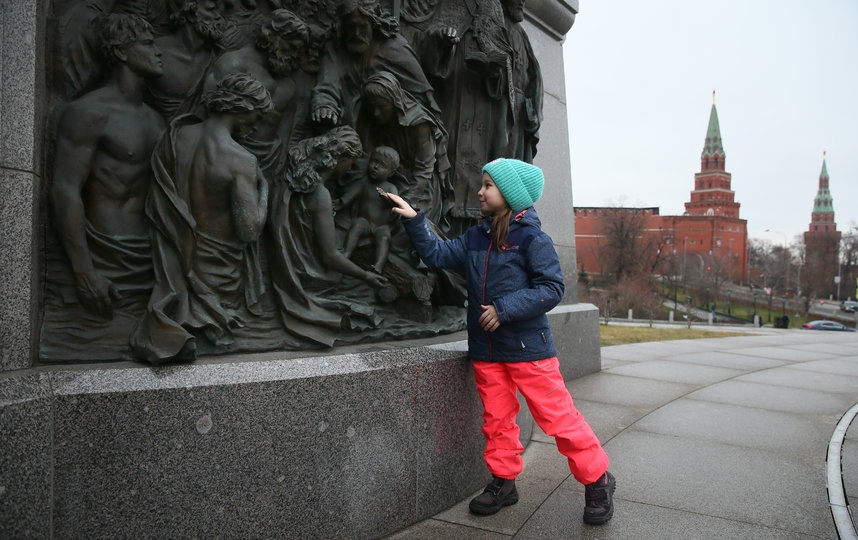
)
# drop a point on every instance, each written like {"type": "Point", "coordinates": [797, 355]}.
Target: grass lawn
{"type": "Point", "coordinates": [620, 335]}
{"type": "Point", "coordinates": [746, 311]}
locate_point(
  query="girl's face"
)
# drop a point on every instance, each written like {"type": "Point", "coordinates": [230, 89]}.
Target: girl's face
{"type": "Point", "coordinates": [491, 199]}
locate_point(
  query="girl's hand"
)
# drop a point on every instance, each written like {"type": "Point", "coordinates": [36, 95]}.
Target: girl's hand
{"type": "Point", "coordinates": [489, 319]}
{"type": "Point", "coordinates": [402, 208]}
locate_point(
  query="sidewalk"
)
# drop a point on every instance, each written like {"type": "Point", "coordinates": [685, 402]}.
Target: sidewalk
{"type": "Point", "coordinates": [714, 438]}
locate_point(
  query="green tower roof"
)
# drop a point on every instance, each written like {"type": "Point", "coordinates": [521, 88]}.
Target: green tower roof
{"type": "Point", "coordinates": [823, 203]}
{"type": "Point", "coordinates": [713, 144]}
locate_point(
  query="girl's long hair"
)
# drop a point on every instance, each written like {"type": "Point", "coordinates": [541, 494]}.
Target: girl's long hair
{"type": "Point", "coordinates": [500, 228]}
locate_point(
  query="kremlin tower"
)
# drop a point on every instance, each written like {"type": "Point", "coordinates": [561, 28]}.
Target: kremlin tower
{"type": "Point", "coordinates": [712, 195]}
{"type": "Point", "coordinates": [711, 226]}
{"type": "Point", "coordinates": [709, 240]}
{"type": "Point", "coordinates": [822, 240]}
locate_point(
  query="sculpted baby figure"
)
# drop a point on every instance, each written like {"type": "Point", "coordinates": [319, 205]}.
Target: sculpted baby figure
{"type": "Point", "coordinates": [371, 215]}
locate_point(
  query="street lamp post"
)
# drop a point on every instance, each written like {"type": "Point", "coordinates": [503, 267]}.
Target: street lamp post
{"type": "Point", "coordinates": [685, 263]}
{"type": "Point", "coordinates": [798, 286]}
{"type": "Point", "coordinates": [729, 308]}
{"type": "Point", "coordinates": [688, 309]}
{"type": "Point", "coordinates": [839, 266]}
{"type": "Point", "coordinates": [675, 279]}
{"type": "Point", "coordinates": [730, 258]}
{"type": "Point", "coordinates": [784, 255]}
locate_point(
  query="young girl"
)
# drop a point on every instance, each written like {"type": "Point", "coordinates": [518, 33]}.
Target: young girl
{"type": "Point", "coordinates": [513, 278]}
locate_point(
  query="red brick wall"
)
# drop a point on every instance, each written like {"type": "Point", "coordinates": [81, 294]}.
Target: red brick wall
{"type": "Point", "coordinates": [721, 238]}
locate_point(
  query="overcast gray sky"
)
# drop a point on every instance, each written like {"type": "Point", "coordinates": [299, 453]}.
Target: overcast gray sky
{"type": "Point", "coordinates": [639, 81]}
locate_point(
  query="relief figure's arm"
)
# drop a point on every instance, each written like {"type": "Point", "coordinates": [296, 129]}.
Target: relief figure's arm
{"type": "Point", "coordinates": [249, 201]}
{"type": "Point", "coordinates": [78, 139]}
{"type": "Point", "coordinates": [424, 156]}
{"type": "Point", "coordinates": [326, 237]}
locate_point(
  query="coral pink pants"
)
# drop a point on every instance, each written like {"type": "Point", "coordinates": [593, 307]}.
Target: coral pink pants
{"type": "Point", "coordinates": [542, 386]}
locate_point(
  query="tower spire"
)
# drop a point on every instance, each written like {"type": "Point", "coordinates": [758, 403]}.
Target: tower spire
{"type": "Point", "coordinates": [713, 146]}
{"type": "Point", "coordinates": [823, 204]}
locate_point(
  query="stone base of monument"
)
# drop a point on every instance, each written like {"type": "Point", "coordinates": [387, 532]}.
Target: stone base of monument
{"type": "Point", "coordinates": [356, 444]}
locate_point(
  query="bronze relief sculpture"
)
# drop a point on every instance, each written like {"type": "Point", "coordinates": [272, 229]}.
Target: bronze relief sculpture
{"type": "Point", "coordinates": [213, 167]}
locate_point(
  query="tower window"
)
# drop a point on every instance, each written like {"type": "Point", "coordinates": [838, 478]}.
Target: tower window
{"type": "Point", "coordinates": [716, 162]}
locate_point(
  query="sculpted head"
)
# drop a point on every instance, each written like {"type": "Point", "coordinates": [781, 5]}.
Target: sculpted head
{"type": "Point", "coordinates": [311, 58]}
{"type": "Point", "coordinates": [360, 20]}
{"type": "Point", "coordinates": [237, 93]}
{"type": "Point", "coordinates": [241, 96]}
{"type": "Point", "coordinates": [203, 15]}
{"type": "Point", "coordinates": [514, 9]}
{"type": "Point", "coordinates": [382, 97]}
{"type": "Point", "coordinates": [314, 159]}
{"type": "Point", "coordinates": [382, 163]}
{"type": "Point", "coordinates": [128, 40]}
{"type": "Point", "coordinates": [284, 38]}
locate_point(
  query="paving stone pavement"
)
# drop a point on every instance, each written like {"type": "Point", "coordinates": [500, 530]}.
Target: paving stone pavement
{"type": "Point", "coordinates": [713, 438]}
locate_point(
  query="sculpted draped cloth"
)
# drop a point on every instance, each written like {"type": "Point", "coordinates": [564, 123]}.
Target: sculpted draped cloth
{"type": "Point", "coordinates": [199, 280]}
{"type": "Point", "coordinates": [70, 332]}
{"type": "Point", "coordinates": [306, 291]}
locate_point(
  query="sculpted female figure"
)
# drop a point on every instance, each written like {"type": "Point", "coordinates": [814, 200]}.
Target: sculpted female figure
{"type": "Point", "coordinates": [390, 116]}
{"type": "Point", "coordinates": [306, 265]}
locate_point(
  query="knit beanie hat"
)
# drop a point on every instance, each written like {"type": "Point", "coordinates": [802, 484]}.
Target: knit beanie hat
{"type": "Point", "coordinates": [519, 182]}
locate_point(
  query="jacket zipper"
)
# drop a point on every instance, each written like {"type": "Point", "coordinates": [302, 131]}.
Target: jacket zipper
{"type": "Point", "coordinates": [483, 302]}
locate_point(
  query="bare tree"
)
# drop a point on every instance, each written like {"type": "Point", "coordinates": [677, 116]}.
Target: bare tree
{"type": "Point", "coordinates": [670, 269]}
{"type": "Point", "coordinates": [762, 262]}
{"type": "Point", "coordinates": [630, 248]}
{"type": "Point", "coordinates": [606, 304]}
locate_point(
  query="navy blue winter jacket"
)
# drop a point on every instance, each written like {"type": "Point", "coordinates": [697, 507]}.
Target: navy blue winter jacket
{"type": "Point", "coordinates": [523, 283]}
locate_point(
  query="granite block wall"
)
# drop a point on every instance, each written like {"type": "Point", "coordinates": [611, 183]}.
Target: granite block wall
{"type": "Point", "coordinates": [26, 472]}
{"type": "Point", "coordinates": [575, 329]}
{"type": "Point", "coordinates": [346, 446]}
{"type": "Point", "coordinates": [349, 446]}
{"type": "Point", "coordinates": [20, 176]}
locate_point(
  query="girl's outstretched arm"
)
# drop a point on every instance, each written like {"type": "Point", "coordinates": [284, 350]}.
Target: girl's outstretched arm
{"type": "Point", "coordinates": [435, 252]}
{"type": "Point", "coordinates": [402, 208]}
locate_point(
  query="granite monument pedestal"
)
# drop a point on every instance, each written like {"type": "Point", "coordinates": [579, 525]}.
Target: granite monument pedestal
{"type": "Point", "coordinates": [350, 445]}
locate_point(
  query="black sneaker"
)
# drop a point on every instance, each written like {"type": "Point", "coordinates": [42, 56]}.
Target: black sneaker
{"type": "Point", "coordinates": [599, 500]}
{"type": "Point", "coordinates": [499, 493]}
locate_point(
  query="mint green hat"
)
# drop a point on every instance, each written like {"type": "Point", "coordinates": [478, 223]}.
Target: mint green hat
{"type": "Point", "coordinates": [519, 182]}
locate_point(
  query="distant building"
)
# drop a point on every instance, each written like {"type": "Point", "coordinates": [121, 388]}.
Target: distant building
{"type": "Point", "coordinates": [822, 241]}
{"type": "Point", "coordinates": [710, 236]}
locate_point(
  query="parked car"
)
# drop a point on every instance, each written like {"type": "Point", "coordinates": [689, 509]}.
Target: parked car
{"type": "Point", "coordinates": [826, 325]}
{"type": "Point", "coordinates": [850, 306]}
